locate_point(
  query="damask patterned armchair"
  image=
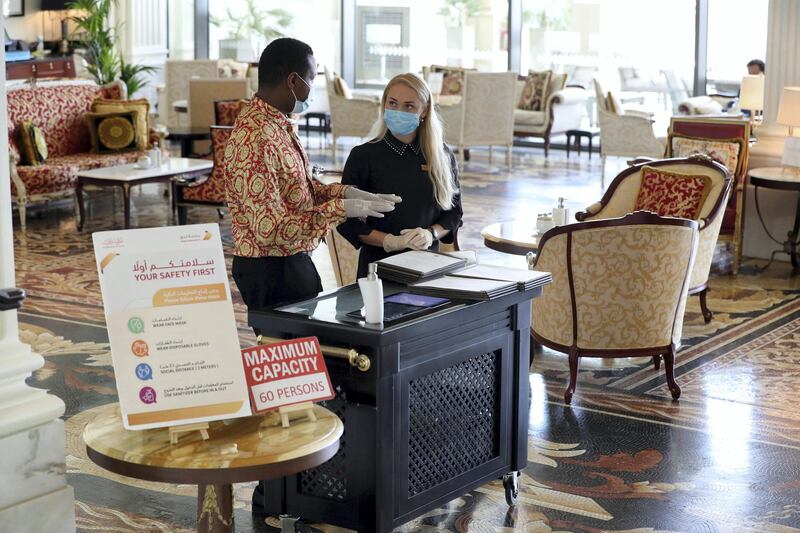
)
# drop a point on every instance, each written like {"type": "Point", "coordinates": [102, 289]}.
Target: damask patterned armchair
{"type": "Point", "coordinates": [621, 197]}
{"type": "Point", "coordinates": [726, 140]}
{"type": "Point", "coordinates": [351, 116]}
{"type": "Point", "coordinates": [209, 192]}
{"type": "Point", "coordinates": [619, 290]}
{"type": "Point", "coordinates": [624, 133]}
{"type": "Point", "coordinates": [485, 114]}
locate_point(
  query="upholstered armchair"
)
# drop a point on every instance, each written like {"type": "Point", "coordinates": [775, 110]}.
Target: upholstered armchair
{"type": "Point", "coordinates": [621, 198]}
{"type": "Point", "coordinates": [706, 105]}
{"type": "Point", "coordinates": [564, 109]}
{"type": "Point", "coordinates": [619, 290]}
{"type": "Point", "coordinates": [226, 111]}
{"type": "Point", "coordinates": [624, 133]}
{"type": "Point", "coordinates": [351, 116]}
{"type": "Point", "coordinates": [485, 114]}
{"type": "Point", "coordinates": [726, 140]}
{"type": "Point", "coordinates": [209, 192]}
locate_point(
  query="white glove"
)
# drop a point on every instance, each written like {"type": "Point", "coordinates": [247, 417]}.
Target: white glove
{"type": "Point", "coordinates": [358, 194]}
{"type": "Point", "coordinates": [395, 243]}
{"type": "Point", "coordinates": [366, 208]}
{"type": "Point", "coordinates": [421, 238]}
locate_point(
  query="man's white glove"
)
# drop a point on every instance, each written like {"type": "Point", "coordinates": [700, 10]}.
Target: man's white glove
{"type": "Point", "coordinates": [421, 238]}
{"type": "Point", "coordinates": [395, 243]}
{"type": "Point", "coordinates": [356, 208]}
{"type": "Point", "coordinates": [358, 194]}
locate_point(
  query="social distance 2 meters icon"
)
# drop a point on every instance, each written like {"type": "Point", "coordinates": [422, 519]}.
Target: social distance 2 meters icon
{"type": "Point", "coordinates": [286, 373]}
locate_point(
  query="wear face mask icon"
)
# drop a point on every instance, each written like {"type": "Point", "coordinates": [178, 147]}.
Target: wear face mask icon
{"type": "Point", "coordinates": [400, 122]}
{"type": "Point", "coordinates": [301, 107]}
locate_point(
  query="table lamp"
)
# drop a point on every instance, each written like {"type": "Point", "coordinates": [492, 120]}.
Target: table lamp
{"type": "Point", "coordinates": [789, 115]}
{"type": "Point", "coordinates": [751, 97]}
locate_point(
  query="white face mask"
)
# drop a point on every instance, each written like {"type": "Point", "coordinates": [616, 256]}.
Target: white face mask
{"type": "Point", "coordinates": [302, 107]}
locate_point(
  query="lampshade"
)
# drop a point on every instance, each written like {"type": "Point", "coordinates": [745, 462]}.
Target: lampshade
{"type": "Point", "coordinates": [751, 96]}
{"type": "Point", "coordinates": [55, 5]}
{"type": "Point", "coordinates": [789, 109]}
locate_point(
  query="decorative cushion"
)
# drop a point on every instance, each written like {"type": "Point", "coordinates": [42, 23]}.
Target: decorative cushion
{"type": "Point", "coordinates": [32, 144]}
{"type": "Point", "coordinates": [613, 104]}
{"type": "Point", "coordinates": [341, 88]}
{"type": "Point", "coordinates": [453, 82]}
{"type": "Point", "coordinates": [142, 109]}
{"type": "Point", "coordinates": [670, 194]}
{"type": "Point", "coordinates": [724, 151]}
{"type": "Point", "coordinates": [534, 95]}
{"type": "Point", "coordinates": [112, 132]}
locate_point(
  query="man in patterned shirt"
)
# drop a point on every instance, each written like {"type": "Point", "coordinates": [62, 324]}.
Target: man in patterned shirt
{"type": "Point", "coordinates": [279, 212]}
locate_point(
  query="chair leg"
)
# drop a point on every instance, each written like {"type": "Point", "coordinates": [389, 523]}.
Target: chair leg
{"type": "Point", "coordinates": [509, 155]}
{"type": "Point", "coordinates": [602, 170]}
{"type": "Point", "coordinates": [461, 157]}
{"type": "Point", "coordinates": [22, 207]}
{"type": "Point", "coordinates": [333, 148]}
{"type": "Point", "coordinates": [490, 155]}
{"type": "Point", "coordinates": [546, 146]}
{"type": "Point", "coordinates": [574, 357]}
{"type": "Point", "coordinates": [707, 314]}
{"type": "Point", "coordinates": [737, 259]}
{"type": "Point", "coordinates": [669, 365]}
{"type": "Point", "coordinates": [656, 362]}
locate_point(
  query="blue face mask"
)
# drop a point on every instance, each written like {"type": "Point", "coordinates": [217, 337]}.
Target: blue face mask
{"type": "Point", "coordinates": [302, 107]}
{"type": "Point", "coordinates": [400, 122]}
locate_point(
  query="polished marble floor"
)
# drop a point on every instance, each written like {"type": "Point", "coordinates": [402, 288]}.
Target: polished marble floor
{"type": "Point", "coordinates": [623, 458]}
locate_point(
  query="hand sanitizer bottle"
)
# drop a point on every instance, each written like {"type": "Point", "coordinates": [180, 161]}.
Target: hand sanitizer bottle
{"type": "Point", "coordinates": [560, 214]}
{"type": "Point", "coordinates": [372, 295]}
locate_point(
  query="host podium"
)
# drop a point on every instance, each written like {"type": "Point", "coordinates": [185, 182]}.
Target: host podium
{"type": "Point", "coordinates": [441, 409]}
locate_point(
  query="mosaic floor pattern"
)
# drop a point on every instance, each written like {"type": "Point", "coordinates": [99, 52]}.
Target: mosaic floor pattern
{"type": "Point", "coordinates": [623, 458]}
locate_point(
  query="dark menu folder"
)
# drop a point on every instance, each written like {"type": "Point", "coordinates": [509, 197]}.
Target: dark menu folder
{"type": "Point", "coordinates": [416, 265]}
{"type": "Point", "coordinates": [461, 288]}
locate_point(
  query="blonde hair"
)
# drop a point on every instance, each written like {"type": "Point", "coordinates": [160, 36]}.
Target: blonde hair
{"type": "Point", "coordinates": [430, 135]}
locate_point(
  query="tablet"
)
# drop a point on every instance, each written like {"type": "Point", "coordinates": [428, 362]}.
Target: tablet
{"type": "Point", "coordinates": [404, 305]}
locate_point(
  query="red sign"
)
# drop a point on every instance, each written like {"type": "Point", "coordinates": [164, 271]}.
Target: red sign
{"type": "Point", "coordinates": [286, 373]}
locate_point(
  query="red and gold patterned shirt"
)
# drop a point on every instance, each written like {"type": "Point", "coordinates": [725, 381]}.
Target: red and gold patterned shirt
{"type": "Point", "coordinates": [277, 207]}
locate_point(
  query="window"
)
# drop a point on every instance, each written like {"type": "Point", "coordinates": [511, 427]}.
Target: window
{"type": "Point", "coordinates": [181, 29]}
{"type": "Point", "coordinates": [737, 33]}
{"type": "Point", "coordinates": [240, 29]}
{"type": "Point", "coordinates": [403, 36]}
{"type": "Point", "coordinates": [630, 46]}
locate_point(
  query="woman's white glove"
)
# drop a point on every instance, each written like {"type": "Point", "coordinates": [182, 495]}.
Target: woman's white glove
{"type": "Point", "coordinates": [358, 194]}
{"type": "Point", "coordinates": [395, 243]}
{"type": "Point", "coordinates": [356, 208]}
{"type": "Point", "coordinates": [421, 238]}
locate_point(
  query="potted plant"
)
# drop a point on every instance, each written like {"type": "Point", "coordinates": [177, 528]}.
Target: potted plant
{"type": "Point", "coordinates": [98, 38]}
{"type": "Point", "coordinates": [250, 31]}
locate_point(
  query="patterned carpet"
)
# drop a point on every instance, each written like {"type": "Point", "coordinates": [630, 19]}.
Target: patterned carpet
{"type": "Point", "coordinates": [623, 458]}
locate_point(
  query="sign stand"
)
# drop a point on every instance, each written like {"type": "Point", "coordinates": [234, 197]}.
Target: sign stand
{"type": "Point", "coordinates": [176, 431]}
{"type": "Point", "coordinates": [284, 411]}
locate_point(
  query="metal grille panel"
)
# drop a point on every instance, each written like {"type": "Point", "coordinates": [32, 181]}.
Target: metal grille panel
{"type": "Point", "coordinates": [329, 480]}
{"type": "Point", "coordinates": [454, 421]}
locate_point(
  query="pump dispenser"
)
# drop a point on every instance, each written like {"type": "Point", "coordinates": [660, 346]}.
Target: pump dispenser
{"type": "Point", "coordinates": [372, 295]}
{"type": "Point", "coordinates": [560, 214]}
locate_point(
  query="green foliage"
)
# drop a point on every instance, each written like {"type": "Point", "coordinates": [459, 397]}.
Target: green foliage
{"type": "Point", "coordinates": [456, 12]}
{"type": "Point", "coordinates": [554, 15]}
{"type": "Point", "coordinates": [99, 38]}
{"type": "Point", "coordinates": [268, 23]}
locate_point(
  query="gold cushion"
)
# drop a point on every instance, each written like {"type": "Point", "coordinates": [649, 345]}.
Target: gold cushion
{"type": "Point", "coordinates": [534, 95]}
{"type": "Point", "coordinates": [32, 144]}
{"type": "Point", "coordinates": [341, 88]}
{"type": "Point", "coordinates": [112, 132]}
{"type": "Point", "coordinates": [140, 106]}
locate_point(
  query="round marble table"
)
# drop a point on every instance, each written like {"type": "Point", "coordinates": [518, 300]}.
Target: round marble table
{"type": "Point", "coordinates": [244, 449]}
{"type": "Point", "coordinates": [515, 237]}
{"type": "Point", "coordinates": [785, 179]}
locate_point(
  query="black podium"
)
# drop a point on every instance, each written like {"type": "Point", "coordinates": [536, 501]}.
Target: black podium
{"type": "Point", "coordinates": [441, 410]}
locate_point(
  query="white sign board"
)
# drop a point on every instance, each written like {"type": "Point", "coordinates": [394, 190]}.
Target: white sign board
{"type": "Point", "coordinates": [174, 343]}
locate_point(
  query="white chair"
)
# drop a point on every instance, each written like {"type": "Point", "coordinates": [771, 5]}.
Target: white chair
{"type": "Point", "coordinates": [485, 115]}
{"type": "Point", "coordinates": [351, 116]}
{"type": "Point", "coordinates": [563, 110]}
{"type": "Point", "coordinates": [625, 133]}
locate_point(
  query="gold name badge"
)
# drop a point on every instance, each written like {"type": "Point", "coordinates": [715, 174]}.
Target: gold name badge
{"type": "Point", "coordinates": [425, 168]}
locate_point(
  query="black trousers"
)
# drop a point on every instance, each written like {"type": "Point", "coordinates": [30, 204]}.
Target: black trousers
{"type": "Point", "coordinates": [269, 281]}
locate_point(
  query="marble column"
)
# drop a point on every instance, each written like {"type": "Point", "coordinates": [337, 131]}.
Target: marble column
{"type": "Point", "coordinates": [783, 69]}
{"type": "Point", "coordinates": [34, 495]}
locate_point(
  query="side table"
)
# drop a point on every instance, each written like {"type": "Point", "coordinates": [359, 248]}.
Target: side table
{"type": "Point", "coordinates": [246, 449]}
{"type": "Point", "coordinates": [576, 136]}
{"type": "Point", "coordinates": [785, 179]}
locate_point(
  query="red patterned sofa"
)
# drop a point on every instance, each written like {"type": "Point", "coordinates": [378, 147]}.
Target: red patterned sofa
{"type": "Point", "coordinates": [58, 109]}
